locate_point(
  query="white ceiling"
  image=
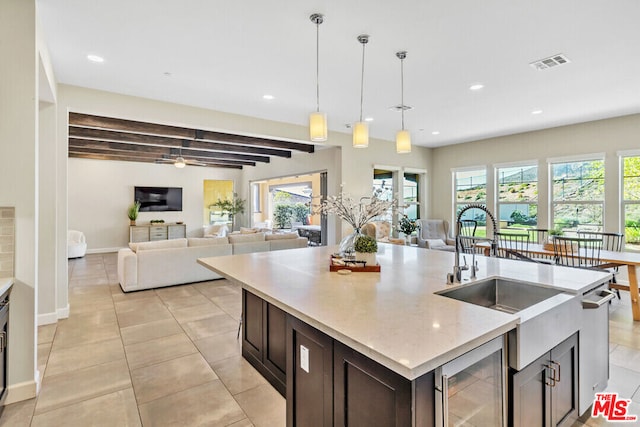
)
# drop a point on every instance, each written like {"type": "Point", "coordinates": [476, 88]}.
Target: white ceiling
{"type": "Point", "coordinates": [225, 55]}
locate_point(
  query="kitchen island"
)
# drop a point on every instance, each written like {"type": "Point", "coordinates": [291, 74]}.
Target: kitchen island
{"type": "Point", "coordinates": [390, 320]}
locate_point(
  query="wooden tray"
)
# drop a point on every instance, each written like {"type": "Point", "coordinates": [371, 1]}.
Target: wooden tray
{"type": "Point", "coordinates": [356, 268]}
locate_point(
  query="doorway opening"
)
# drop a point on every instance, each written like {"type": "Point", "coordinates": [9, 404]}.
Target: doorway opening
{"type": "Point", "coordinates": [286, 204]}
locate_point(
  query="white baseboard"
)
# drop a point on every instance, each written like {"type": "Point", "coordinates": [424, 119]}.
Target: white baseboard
{"type": "Point", "coordinates": [63, 313]}
{"type": "Point", "coordinates": [103, 250]}
{"type": "Point", "coordinates": [47, 318]}
{"type": "Point", "coordinates": [22, 391]}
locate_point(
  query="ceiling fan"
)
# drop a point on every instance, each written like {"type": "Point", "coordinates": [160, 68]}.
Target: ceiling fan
{"type": "Point", "coordinates": [179, 161]}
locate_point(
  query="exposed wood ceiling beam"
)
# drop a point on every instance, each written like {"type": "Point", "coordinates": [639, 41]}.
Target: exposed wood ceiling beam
{"type": "Point", "coordinates": [79, 119]}
{"type": "Point", "coordinates": [142, 148]}
{"type": "Point", "coordinates": [108, 135]}
{"type": "Point", "coordinates": [137, 159]}
{"type": "Point", "coordinates": [153, 156]}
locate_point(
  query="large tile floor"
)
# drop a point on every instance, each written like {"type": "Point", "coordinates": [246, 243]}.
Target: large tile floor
{"type": "Point", "coordinates": [165, 357]}
{"type": "Point", "coordinates": [169, 357]}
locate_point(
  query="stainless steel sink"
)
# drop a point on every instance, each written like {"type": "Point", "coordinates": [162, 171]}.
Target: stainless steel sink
{"type": "Point", "coordinates": [501, 294]}
{"type": "Point", "coordinates": [547, 316]}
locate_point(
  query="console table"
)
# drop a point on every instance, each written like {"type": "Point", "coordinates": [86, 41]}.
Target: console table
{"type": "Point", "coordinates": [146, 233]}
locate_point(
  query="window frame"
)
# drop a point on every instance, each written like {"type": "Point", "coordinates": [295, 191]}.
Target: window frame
{"type": "Point", "coordinates": [622, 155]}
{"type": "Point", "coordinates": [593, 157]}
{"type": "Point", "coordinates": [498, 203]}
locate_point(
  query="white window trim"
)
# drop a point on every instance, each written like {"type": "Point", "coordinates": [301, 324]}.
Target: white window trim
{"type": "Point", "coordinates": [516, 164]}
{"type": "Point", "coordinates": [469, 168]}
{"type": "Point", "coordinates": [576, 158]}
{"type": "Point", "coordinates": [628, 153]}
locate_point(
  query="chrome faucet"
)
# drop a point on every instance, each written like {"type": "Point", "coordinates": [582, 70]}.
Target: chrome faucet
{"type": "Point", "coordinates": [456, 276]}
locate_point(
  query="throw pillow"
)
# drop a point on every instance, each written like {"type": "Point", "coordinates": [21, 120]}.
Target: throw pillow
{"type": "Point", "coordinates": [207, 241]}
{"type": "Point", "coordinates": [281, 236]}
{"type": "Point", "coordinates": [435, 243]}
{"type": "Point", "coordinates": [159, 244]}
{"type": "Point", "coordinates": [244, 230]}
{"type": "Point", "coordinates": [245, 238]}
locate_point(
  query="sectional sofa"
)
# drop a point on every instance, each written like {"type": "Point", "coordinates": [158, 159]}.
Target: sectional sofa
{"type": "Point", "coordinates": [161, 263]}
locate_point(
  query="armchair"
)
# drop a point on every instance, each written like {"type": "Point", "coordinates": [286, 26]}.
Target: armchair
{"type": "Point", "coordinates": [434, 234]}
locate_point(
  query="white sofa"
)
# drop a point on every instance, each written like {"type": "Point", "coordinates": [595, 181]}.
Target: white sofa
{"type": "Point", "coordinates": [161, 263]}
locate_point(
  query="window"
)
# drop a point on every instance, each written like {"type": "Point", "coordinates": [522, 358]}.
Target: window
{"type": "Point", "coordinates": [631, 201]}
{"type": "Point", "coordinates": [383, 184]}
{"type": "Point", "coordinates": [410, 195]}
{"type": "Point", "coordinates": [578, 195]}
{"type": "Point", "coordinates": [471, 187]}
{"type": "Point", "coordinates": [518, 196]}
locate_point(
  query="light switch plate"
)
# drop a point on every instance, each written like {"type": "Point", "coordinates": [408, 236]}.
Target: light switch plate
{"type": "Point", "coordinates": [304, 358]}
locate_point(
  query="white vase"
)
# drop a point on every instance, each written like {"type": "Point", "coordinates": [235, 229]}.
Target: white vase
{"type": "Point", "coordinates": [368, 257]}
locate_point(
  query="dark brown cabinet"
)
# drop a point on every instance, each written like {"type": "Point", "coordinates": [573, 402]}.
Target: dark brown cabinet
{"type": "Point", "coordinates": [545, 393]}
{"type": "Point", "coordinates": [325, 382]}
{"type": "Point", "coordinates": [4, 337]}
{"type": "Point", "coordinates": [309, 376]}
{"type": "Point", "coordinates": [264, 339]}
{"type": "Point", "coordinates": [366, 393]}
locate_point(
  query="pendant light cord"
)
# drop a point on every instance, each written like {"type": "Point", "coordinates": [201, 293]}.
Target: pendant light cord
{"type": "Point", "coordinates": [402, 90]}
{"type": "Point", "coordinates": [317, 66]}
{"type": "Point", "coordinates": [362, 81]}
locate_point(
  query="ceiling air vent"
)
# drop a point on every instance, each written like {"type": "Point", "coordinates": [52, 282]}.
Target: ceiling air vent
{"type": "Point", "coordinates": [550, 62]}
{"type": "Point", "coordinates": [400, 107]}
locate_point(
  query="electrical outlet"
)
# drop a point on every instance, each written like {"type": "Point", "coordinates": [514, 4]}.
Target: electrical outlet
{"type": "Point", "coordinates": [304, 358]}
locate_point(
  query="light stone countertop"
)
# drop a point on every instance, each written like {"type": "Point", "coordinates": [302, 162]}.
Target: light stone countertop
{"type": "Point", "coordinates": [5, 283]}
{"type": "Point", "coordinates": [393, 316]}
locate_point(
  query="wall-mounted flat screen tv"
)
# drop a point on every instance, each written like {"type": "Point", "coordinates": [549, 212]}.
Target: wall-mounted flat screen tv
{"type": "Point", "coordinates": [159, 199]}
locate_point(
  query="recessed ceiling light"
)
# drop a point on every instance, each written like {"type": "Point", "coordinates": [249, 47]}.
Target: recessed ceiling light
{"type": "Point", "coordinates": [435, 132]}
{"type": "Point", "coordinates": [476, 86]}
{"type": "Point", "coordinates": [268, 97]}
{"type": "Point", "coordinates": [95, 58]}
{"type": "Point", "coordinates": [536, 112]}
{"type": "Point", "coordinates": [368, 119]}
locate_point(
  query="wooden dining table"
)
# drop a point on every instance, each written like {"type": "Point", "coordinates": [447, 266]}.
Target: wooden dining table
{"type": "Point", "coordinates": [611, 258]}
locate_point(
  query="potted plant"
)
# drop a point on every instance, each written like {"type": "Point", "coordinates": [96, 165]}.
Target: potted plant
{"type": "Point", "coordinates": [132, 213]}
{"type": "Point", "coordinates": [407, 227]}
{"type": "Point", "coordinates": [366, 248]}
{"type": "Point", "coordinates": [230, 207]}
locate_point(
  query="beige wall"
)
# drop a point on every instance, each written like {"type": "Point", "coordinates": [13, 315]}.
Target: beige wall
{"type": "Point", "coordinates": [603, 136]}
{"type": "Point", "coordinates": [101, 191]}
{"type": "Point", "coordinates": [19, 183]}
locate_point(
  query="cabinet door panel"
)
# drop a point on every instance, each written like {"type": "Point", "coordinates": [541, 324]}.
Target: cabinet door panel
{"type": "Point", "coordinates": [252, 330]}
{"type": "Point", "coordinates": [565, 392]}
{"type": "Point", "coordinates": [276, 340]}
{"type": "Point", "coordinates": [309, 381]}
{"type": "Point", "coordinates": [531, 400]}
{"type": "Point", "coordinates": [368, 394]}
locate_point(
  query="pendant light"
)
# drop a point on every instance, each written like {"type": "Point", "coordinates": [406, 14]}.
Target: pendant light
{"type": "Point", "coordinates": [317, 120]}
{"type": "Point", "coordinates": [403, 137]}
{"type": "Point", "coordinates": [361, 128]}
{"type": "Point", "coordinates": [180, 163]}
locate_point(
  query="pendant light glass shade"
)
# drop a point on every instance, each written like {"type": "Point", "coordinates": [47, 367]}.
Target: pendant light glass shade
{"type": "Point", "coordinates": [361, 135]}
{"type": "Point", "coordinates": [180, 163]}
{"type": "Point", "coordinates": [403, 137]}
{"type": "Point", "coordinates": [361, 128]}
{"type": "Point", "coordinates": [317, 120]}
{"type": "Point", "coordinates": [318, 126]}
{"type": "Point", "coordinates": [403, 142]}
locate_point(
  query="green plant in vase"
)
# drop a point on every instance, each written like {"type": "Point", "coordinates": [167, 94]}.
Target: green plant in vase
{"type": "Point", "coordinates": [230, 207]}
{"type": "Point", "coordinates": [365, 248]}
{"type": "Point", "coordinates": [133, 211]}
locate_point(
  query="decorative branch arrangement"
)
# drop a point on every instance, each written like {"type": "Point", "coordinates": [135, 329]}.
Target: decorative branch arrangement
{"type": "Point", "coordinates": [355, 213]}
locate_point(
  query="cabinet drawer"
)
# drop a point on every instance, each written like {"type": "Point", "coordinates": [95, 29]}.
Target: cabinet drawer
{"type": "Point", "coordinates": [139, 234]}
{"type": "Point", "coordinates": [157, 233]}
{"type": "Point", "coordinates": [176, 231]}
